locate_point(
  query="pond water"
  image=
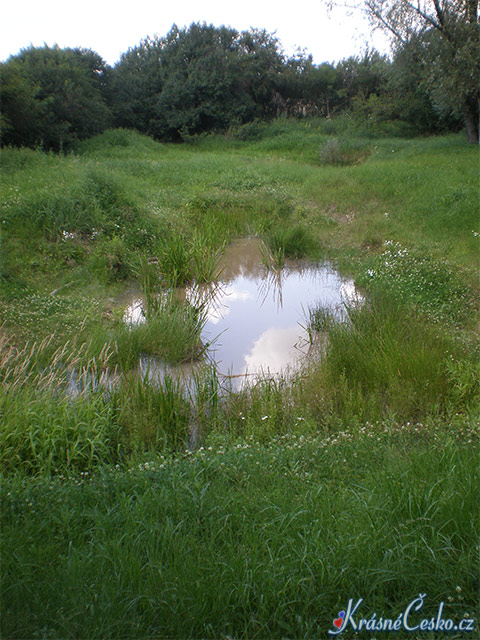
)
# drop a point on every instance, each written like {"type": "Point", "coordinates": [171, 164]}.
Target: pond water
{"type": "Point", "coordinates": [256, 317]}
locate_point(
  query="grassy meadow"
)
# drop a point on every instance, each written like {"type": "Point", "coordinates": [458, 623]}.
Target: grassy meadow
{"type": "Point", "coordinates": [356, 478]}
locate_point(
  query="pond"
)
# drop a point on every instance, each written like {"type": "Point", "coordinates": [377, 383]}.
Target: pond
{"type": "Point", "coordinates": [256, 317]}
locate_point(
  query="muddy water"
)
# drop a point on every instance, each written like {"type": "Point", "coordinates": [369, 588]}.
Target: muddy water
{"type": "Point", "coordinates": [255, 317]}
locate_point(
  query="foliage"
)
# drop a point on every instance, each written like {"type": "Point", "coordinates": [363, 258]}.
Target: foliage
{"type": "Point", "coordinates": [53, 97]}
{"type": "Point", "coordinates": [446, 37]}
{"type": "Point", "coordinates": [195, 79]}
{"type": "Point", "coordinates": [204, 78]}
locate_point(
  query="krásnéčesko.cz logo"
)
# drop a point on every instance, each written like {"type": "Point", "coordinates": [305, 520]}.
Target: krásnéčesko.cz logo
{"type": "Point", "coordinates": [407, 620]}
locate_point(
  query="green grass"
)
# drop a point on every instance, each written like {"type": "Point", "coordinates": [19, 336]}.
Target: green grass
{"type": "Point", "coordinates": [387, 360]}
{"type": "Point", "coordinates": [289, 530]}
{"type": "Point", "coordinates": [355, 478]}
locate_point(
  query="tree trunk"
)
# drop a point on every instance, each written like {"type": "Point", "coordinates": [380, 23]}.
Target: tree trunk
{"type": "Point", "coordinates": [472, 124]}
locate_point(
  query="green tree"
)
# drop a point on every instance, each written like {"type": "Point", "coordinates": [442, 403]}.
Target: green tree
{"type": "Point", "coordinates": [261, 62]}
{"type": "Point", "coordinates": [52, 97]}
{"type": "Point", "coordinates": [201, 82]}
{"type": "Point", "coordinates": [411, 95]}
{"type": "Point", "coordinates": [361, 77]}
{"type": "Point", "coordinates": [135, 83]}
{"type": "Point", "coordinates": [306, 87]}
{"type": "Point", "coordinates": [446, 34]}
{"type": "Point", "coordinates": [23, 114]}
{"type": "Point", "coordinates": [195, 79]}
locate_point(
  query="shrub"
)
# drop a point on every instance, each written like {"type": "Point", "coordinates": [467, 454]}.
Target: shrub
{"type": "Point", "coordinates": [330, 152]}
{"type": "Point", "coordinates": [343, 152]}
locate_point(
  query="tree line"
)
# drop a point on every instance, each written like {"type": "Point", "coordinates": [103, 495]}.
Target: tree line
{"type": "Point", "coordinates": [205, 78]}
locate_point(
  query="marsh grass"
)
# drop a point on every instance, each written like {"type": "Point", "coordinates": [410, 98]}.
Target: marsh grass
{"type": "Point", "coordinates": [286, 242]}
{"type": "Point", "coordinates": [176, 262]}
{"type": "Point", "coordinates": [152, 416]}
{"type": "Point", "coordinates": [185, 259]}
{"type": "Point", "coordinates": [205, 257]}
{"type": "Point", "coordinates": [387, 360]}
{"type": "Point", "coordinates": [40, 366]}
{"type": "Point", "coordinates": [319, 319]}
{"type": "Point", "coordinates": [54, 416]}
{"type": "Point", "coordinates": [43, 432]}
{"type": "Point", "coordinates": [172, 330]}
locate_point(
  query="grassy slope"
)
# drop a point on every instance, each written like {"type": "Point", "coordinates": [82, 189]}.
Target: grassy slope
{"type": "Point", "coordinates": [292, 526]}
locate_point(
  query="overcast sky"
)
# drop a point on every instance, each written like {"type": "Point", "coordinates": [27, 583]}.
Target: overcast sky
{"type": "Point", "coordinates": [110, 27]}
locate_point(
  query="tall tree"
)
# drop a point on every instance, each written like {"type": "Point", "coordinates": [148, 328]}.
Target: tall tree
{"type": "Point", "coordinates": [135, 84]}
{"type": "Point", "coordinates": [52, 97]}
{"type": "Point", "coordinates": [446, 34]}
{"type": "Point", "coordinates": [195, 79]}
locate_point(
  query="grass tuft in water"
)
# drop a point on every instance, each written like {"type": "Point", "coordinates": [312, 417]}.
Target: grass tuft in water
{"type": "Point", "coordinates": [284, 242]}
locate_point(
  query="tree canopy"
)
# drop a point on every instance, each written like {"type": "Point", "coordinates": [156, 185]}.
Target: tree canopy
{"type": "Point", "coordinates": [53, 96]}
{"type": "Point", "coordinates": [445, 38]}
{"type": "Point", "coordinates": [206, 78]}
{"type": "Point", "coordinates": [195, 79]}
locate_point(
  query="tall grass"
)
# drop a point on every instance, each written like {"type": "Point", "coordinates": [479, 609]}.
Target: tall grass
{"type": "Point", "coordinates": [387, 361]}
{"type": "Point", "coordinates": [54, 417]}
{"type": "Point", "coordinates": [186, 259]}
{"type": "Point", "coordinates": [287, 242]}
{"type": "Point", "coordinates": [172, 330]}
{"type": "Point", "coordinates": [43, 433]}
{"type": "Point", "coordinates": [290, 530]}
{"type": "Point", "coordinates": [152, 416]}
